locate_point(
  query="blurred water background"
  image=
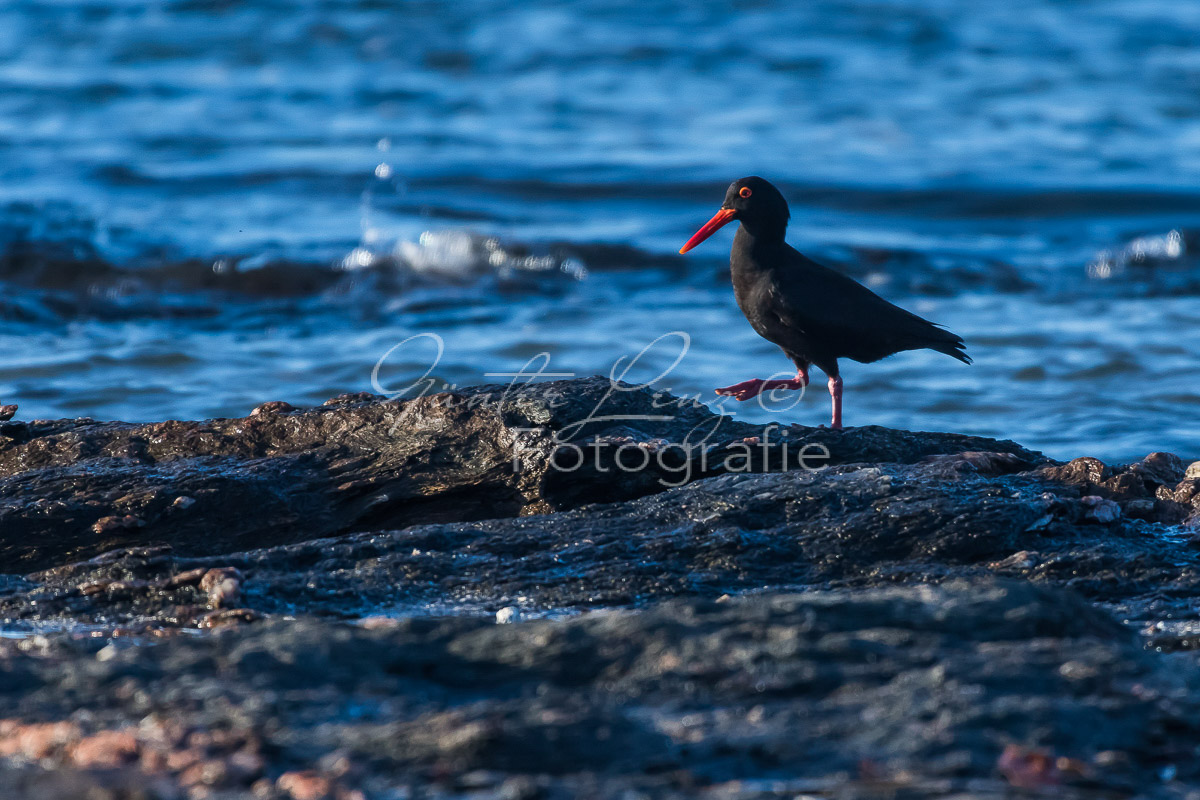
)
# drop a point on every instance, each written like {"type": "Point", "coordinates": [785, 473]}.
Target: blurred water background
{"type": "Point", "coordinates": [206, 204]}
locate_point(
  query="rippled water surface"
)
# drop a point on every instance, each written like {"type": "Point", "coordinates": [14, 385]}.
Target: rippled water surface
{"type": "Point", "coordinates": [208, 204]}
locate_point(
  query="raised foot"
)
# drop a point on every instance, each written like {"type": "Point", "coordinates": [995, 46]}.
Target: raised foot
{"type": "Point", "coordinates": [756, 386]}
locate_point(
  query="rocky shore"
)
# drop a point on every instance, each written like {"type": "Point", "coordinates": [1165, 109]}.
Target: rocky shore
{"type": "Point", "coordinates": [308, 603]}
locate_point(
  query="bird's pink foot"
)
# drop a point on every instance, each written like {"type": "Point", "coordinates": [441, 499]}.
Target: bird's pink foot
{"type": "Point", "coordinates": [747, 390]}
{"type": "Point", "coordinates": [744, 390]}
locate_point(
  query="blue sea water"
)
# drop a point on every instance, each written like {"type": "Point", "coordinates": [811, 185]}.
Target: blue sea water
{"type": "Point", "coordinates": [205, 204]}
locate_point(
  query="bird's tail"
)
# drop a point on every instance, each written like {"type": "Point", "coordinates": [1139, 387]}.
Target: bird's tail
{"type": "Point", "coordinates": [951, 344]}
{"type": "Point", "coordinates": [922, 333]}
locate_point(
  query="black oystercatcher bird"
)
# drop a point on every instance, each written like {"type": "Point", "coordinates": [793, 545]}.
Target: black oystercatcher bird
{"type": "Point", "coordinates": [816, 314]}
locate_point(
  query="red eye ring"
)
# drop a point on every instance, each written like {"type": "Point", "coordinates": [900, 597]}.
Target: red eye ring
{"type": "Point", "coordinates": [745, 191]}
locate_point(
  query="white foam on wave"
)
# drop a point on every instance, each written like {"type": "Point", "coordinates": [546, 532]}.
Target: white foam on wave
{"type": "Point", "coordinates": [1144, 251]}
{"type": "Point", "coordinates": [457, 256]}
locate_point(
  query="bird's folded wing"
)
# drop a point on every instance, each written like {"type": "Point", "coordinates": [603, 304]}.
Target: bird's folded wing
{"type": "Point", "coordinates": [826, 306]}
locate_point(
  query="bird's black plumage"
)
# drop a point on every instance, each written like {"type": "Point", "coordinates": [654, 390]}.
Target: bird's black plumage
{"type": "Point", "coordinates": [815, 314]}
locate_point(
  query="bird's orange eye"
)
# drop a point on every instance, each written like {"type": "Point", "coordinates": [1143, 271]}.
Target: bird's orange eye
{"type": "Point", "coordinates": [745, 191]}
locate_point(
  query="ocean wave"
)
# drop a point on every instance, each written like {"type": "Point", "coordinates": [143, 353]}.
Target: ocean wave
{"type": "Point", "coordinates": [57, 265]}
{"type": "Point", "coordinates": [48, 280]}
{"type": "Point", "coordinates": [1153, 263]}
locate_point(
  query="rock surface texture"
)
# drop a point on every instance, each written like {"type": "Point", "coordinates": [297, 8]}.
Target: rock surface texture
{"type": "Point", "coordinates": [76, 488]}
{"type": "Point", "coordinates": [308, 604]}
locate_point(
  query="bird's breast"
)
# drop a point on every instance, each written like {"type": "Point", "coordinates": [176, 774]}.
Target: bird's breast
{"type": "Point", "coordinates": [757, 297]}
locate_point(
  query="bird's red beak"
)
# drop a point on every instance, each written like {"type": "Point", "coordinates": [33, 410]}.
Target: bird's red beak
{"type": "Point", "coordinates": [721, 218]}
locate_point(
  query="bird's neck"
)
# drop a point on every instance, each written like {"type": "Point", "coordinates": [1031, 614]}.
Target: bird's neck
{"type": "Point", "coordinates": [766, 230]}
{"type": "Point", "coordinates": [757, 240]}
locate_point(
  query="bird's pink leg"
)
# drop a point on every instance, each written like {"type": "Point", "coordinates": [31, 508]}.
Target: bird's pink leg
{"type": "Point", "coordinates": [756, 386]}
{"type": "Point", "coordinates": [835, 391]}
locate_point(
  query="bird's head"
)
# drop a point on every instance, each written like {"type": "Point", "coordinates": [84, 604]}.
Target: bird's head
{"type": "Point", "coordinates": [753, 201]}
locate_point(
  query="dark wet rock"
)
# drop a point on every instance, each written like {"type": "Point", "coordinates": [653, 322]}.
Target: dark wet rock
{"type": "Point", "coordinates": [1144, 490]}
{"type": "Point", "coordinates": [1159, 469]}
{"type": "Point", "coordinates": [1144, 509]}
{"type": "Point", "coordinates": [7, 412]}
{"type": "Point", "coordinates": [1098, 509]}
{"type": "Point", "coordinates": [969, 689]}
{"type": "Point", "coordinates": [70, 489]}
{"type": "Point", "coordinates": [108, 525]}
{"type": "Point", "coordinates": [350, 398]}
{"type": "Point", "coordinates": [273, 407]}
{"type": "Point", "coordinates": [1086, 471]}
{"type": "Point", "coordinates": [985, 463]}
{"type": "Point", "coordinates": [222, 585]}
{"type": "Point", "coordinates": [1187, 493]}
{"type": "Point", "coordinates": [974, 620]}
{"type": "Point", "coordinates": [847, 526]}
